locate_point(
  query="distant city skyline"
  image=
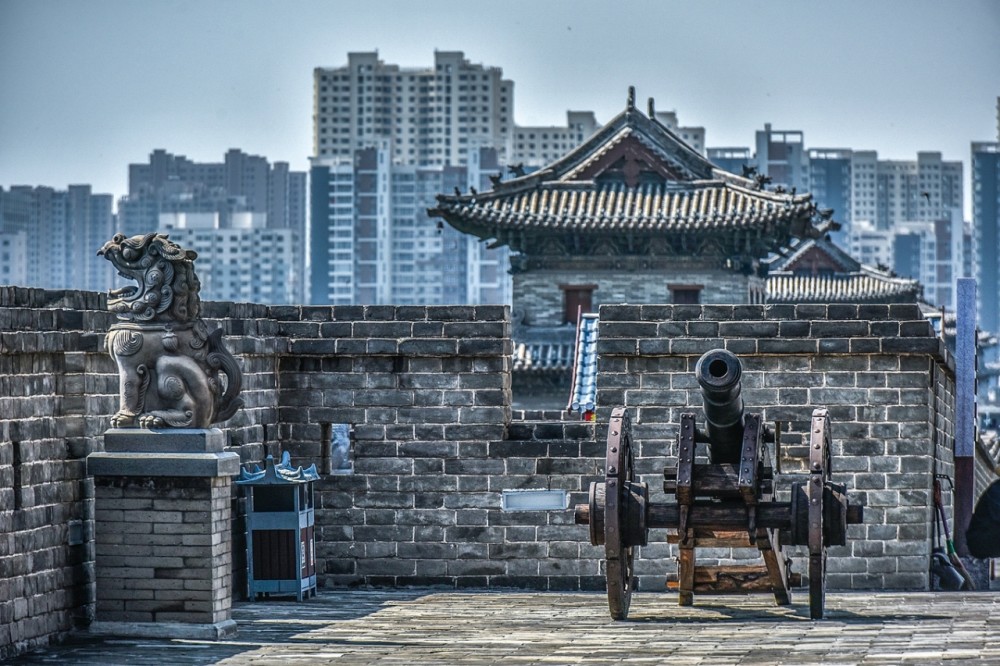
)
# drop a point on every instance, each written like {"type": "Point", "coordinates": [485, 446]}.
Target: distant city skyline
{"type": "Point", "coordinates": [92, 86]}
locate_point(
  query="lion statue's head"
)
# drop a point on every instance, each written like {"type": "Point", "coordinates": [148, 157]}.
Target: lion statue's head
{"type": "Point", "coordinates": [164, 272]}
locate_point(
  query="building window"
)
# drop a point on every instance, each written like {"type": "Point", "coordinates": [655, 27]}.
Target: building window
{"type": "Point", "coordinates": [577, 299]}
{"type": "Point", "coordinates": [685, 294]}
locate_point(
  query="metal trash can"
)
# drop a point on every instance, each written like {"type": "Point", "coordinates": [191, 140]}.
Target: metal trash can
{"type": "Point", "coordinates": [280, 519]}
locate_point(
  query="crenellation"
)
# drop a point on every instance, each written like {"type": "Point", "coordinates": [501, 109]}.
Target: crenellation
{"type": "Point", "coordinates": [435, 441]}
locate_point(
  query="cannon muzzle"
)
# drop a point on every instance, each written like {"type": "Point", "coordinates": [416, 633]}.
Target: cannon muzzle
{"type": "Point", "coordinates": [718, 373]}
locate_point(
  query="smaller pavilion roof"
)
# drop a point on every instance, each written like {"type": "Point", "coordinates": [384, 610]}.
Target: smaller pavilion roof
{"type": "Point", "coordinates": [817, 271]}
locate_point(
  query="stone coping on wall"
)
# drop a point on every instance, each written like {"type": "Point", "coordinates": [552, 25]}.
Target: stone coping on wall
{"type": "Point", "coordinates": [687, 330]}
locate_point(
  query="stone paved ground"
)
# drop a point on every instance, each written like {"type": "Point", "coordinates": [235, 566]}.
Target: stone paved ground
{"type": "Point", "coordinates": [513, 628]}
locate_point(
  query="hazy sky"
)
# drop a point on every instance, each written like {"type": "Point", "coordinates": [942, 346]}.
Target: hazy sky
{"type": "Point", "coordinates": [88, 86]}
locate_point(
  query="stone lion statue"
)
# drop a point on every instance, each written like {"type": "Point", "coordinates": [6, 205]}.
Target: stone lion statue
{"type": "Point", "coordinates": [170, 365]}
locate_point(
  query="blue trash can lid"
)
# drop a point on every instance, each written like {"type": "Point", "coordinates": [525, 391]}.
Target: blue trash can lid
{"type": "Point", "coordinates": [281, 473]}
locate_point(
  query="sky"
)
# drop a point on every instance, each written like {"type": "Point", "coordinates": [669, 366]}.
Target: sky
{"type": "Point", "coordinates": [90, 86]}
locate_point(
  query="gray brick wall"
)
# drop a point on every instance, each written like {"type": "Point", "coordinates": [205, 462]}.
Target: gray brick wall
{"type": "Point", "coordinates": [887, 381]}
{"type": "Point", "coordinates": [541, 299]}
{"type": "Point", "coordinates": [58, 388]}
{"type": "Point", "coordinates": [427, 391]}
{"type": "Point", "coordinates": [46, 396]}
{"type": "Point", "coordinates": [163, 549]}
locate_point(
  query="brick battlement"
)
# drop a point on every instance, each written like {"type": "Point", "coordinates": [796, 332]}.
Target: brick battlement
{"type": "Point", "coordinates": [887, 381]}
{"type": "Point", "coordinates": [426, 392]}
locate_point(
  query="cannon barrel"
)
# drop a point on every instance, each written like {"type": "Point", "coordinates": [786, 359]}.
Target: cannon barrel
{"type": "Point", "coordinates": [718, 372]}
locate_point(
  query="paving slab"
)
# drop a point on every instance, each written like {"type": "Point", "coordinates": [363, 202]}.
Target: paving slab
{"type": "Point", "coordinates": [388, 627]}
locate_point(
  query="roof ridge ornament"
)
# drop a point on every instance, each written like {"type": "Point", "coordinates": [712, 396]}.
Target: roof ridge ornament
{"type": "Point", "coordinates": [651, 108]}
{"type": "Point", "coordinates": [630, 103]}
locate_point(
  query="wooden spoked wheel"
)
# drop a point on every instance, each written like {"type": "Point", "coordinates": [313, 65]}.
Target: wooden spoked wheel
{"type": "Point", "coordinates": [819, 478]}
{"type": "Point", "coordinates": [620, 514]}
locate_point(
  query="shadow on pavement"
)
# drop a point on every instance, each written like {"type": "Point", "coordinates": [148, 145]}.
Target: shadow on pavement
{"type": "Point", "coordinates": [262, 623]}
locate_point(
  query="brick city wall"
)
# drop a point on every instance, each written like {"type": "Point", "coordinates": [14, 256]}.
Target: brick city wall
{"type": "Point", "coordinates": [58, 388]}
{"type": "Point", "coordinates": [887, 381]}
{"type": "Point", "coordinates": [427, 393]}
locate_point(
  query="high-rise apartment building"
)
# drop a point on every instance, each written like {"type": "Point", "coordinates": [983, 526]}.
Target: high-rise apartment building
{"type": "Point", "coordinates": [828, 174]}
{"type": "Point", "coordinates": [692, 136]}
{"type": "Point", "coordinates": [923, 190]}
{"type": "Point", "coordinates": [240, 183]}
{"type": "Point", "coordinates": [781, 155]}
{"type": "Point", "coordinates": [856, 184]}
{"type": "Point", "coordinates": [986, 229]}
{"type": "Point", "coordinates": [933, 253]}
{"type": "Point", "coordinates": [172, 187]}
{"type": "Point", "coordinates": [430, 116]}
{"type": "Point", "coordinates": [372, 242]}
{"type": "Point", "coordinates": [869, 245]}
{"type": "Point", "coordinates": [59, 233]}
{"type": "Point", "coordinates": [539, 146]}
{"type": "Point", "coordinates": [864, 186]}
{"type": "Point", "coordinates": [14, 258]}
{"type": "Point", "coordinates": [986, 253]}
{"type": "Point", "coordinates": [731, 159]}
{"type": "Point", "coordinates": [246, 261]}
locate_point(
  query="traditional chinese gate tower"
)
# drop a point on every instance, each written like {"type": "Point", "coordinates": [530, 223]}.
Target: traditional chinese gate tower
{"type": "Point", "coordinates": [634, 215]}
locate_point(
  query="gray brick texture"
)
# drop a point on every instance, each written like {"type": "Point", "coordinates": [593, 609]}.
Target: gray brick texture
{"type": "Point", "coordinates": [427, 392]}
{"type": "Point", "coordinates": [886, 379]}
{"type": "Point", "coordinates": [163, 549]}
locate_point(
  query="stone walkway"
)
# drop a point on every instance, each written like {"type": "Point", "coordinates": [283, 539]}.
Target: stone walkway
{"type": "Point", "coordinates": [512, 628]}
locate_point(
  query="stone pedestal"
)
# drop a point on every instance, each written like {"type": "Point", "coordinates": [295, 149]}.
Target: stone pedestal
{"type": "Point", "coordinates": [162, 524]}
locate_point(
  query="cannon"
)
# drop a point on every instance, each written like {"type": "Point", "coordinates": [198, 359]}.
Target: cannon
{"type": "Point", "coordinates": [728, 501]}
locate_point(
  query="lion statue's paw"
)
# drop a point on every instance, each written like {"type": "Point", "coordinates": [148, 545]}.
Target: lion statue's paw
{"type": "Point", "coordinates": [123, 419]}
{"type": "Point", "coordinates": [151, 421]}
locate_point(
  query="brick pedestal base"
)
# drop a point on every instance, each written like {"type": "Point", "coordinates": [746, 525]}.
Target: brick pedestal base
{"type": "Point", "coordinates": [162, 521]}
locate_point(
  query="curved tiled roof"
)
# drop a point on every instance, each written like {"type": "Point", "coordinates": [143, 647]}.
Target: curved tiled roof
{"type": "Point", "coordinates": [853, 282]}
{"type": "Point", "coordinates": [634, 174]}
{"type": "Point", "coordinates": [542, 356]}
{"type": "Point", "coordinates": [702, 206]}
{"type": "Point", "coordinates": [574, 165]}
{"type": "Point", "coordinates": [583, 396]}
{"type": "Point", "coordinates": [865, 286]}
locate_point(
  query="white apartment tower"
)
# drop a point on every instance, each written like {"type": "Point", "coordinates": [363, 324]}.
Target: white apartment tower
{"type": "Point", "coordinates": [864, 190]}
{"type": "Point", "coordinates": [692, 136]}
{"type": "Point", "coordinates": [243, 260]}
{"type": "Point", "coordinates": [14, 258]}
{"type": "Point", "coordinates": [870, 246]}
{"type": "Point", "coordinates": [540, 146]}
{"type": "Point", "coordinates": [372, 242]}
{"type": "Point", "coordinates": [923, 190]}
{"type": "Point", "coordinates": [429, 116]}
{"type": "Point", "coordinates": [74, 224]}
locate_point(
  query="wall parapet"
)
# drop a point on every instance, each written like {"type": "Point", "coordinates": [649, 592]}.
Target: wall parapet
{"type": "Point", "coordinates": [425, 394]}
{"type": "Point", "coordinates": [885, 377]}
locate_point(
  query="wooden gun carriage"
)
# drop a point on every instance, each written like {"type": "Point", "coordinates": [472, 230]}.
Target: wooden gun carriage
{"type": "Point", "coordinates": [727, 502]}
